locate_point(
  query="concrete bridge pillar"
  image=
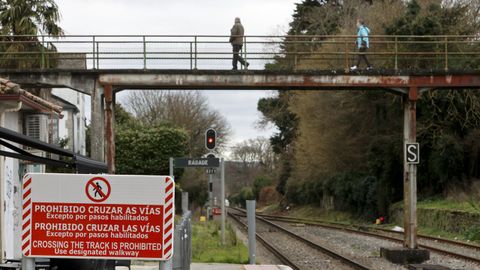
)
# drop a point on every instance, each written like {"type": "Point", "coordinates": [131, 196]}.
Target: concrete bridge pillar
{"type": "Point", "coordinates": [97, 124]}
{"type": "Point", "coordinates": [110, 127]}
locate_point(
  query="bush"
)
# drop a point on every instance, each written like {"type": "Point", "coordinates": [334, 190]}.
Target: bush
{"type": "Point", "coordinates": [354, 192]}
{"type": "Point", "coordinates": [259, 183]}
{"type": "Point", "coordinates": [146, 150]}
{"type": "Point", "coordinates": [246, 193]}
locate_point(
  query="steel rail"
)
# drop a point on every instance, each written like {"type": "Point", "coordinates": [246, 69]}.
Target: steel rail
{"type": "Point", "coordinates": [343, 227]}
{"type": "Point", "coordinates": [427, 237]}
{"type": "Point", "coordinates": [343, 259]}
{"type": "Point", "coordinates": [284, 259]}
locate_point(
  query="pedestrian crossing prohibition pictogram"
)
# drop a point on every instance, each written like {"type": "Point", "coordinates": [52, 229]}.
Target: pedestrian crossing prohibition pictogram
{"type": "Point", "coordinates": [98, 189]}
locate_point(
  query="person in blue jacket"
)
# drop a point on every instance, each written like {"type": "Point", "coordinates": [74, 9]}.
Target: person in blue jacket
{"type": "Point", "coordinates": [363, 44]}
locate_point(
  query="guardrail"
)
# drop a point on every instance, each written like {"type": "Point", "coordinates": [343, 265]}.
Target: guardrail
{"type": "Point", "coordinates": [215, 52]}
{"type": "Point", "coordinates": [182, 249]}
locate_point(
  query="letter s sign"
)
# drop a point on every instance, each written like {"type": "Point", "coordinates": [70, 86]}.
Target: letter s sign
{"type": "Point", "coordinates": [412, 153]}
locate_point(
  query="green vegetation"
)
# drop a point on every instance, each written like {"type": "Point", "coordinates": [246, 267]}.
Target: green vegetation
{"type": "Point", "coordinates": [259, 183]}
{"type": "Point", "coordinates": [206, 245]}
{"type": "Point", "coordinates": [445, 218]}
{"type": "Point", "coordinates": [183, 117]}
{"type": "Point", "coordinates": [143, 149]}
{"type": "Point", "coordinates": [343, 150]}
{"type": "Point", "coordinates": [446, 204]}
{"type": "Point", "coordinates": [313, 212]}
{"type": "Point", "coordinates": [240, 198]}
{"type": "Point", "coordinates": [146, 150]}
{"type": "Point", "coordinates": [444, 234]}
{"type": "Point", "coordinates": [28, 17]}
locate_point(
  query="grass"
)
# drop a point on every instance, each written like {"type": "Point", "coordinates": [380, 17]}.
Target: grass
{"type": "Point", "coordinates": [470, 206]}
{"type": "Point", "coordinates": [315, 213]}
{"type": "Point", "coordinates": [206, 246]}
{"type": "Point", "coordinates": [467, 206]}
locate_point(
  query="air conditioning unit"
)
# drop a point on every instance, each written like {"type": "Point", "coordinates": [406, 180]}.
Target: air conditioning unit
{"type": "Point", "coordinates": [36, 126]}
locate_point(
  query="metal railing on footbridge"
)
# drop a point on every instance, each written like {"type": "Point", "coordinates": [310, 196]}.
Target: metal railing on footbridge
{"type": "Point", "coordinates": [215, 53]}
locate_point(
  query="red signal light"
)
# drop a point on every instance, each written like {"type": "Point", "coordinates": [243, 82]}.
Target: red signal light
{"type": "Point", "coordinates": [210, 138]}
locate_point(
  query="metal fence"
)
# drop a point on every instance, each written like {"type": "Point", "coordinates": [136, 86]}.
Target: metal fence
{"type": "Point", "coordinates": [182, 249]}
{"type": "Point", "coordinates": [215, 52]}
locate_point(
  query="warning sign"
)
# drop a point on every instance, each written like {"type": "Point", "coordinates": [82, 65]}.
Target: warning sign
{"type": "Point", "coordinates": [98, 189]}
{"type": "Point", "coordinates": [107, 216]}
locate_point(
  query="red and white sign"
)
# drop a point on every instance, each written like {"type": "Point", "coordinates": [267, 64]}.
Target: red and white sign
{"type": "Point", "coordinates": [98, 216]}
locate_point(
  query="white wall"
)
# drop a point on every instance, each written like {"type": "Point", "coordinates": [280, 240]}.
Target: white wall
{"type": "Point", "coordinates": [78, 99]}
{"type": "Point", "coordinates": [12, 195]}
{"type": "Point", "coordinates": [11, 174]}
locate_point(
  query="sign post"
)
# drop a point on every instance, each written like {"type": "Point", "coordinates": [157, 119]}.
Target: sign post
{"type": "Point", "coordinates": [116, 217]}
{"type": "Point", "coordinates": [252, 244]}
{"type": "Point", "coordinates": [168, 265]}
{"type": "Point", "coordinates": [209, 163]}
{"type": "Point", "coordinates": [222, 198]}
{"type": "Point", "coordinates": [411, 159]}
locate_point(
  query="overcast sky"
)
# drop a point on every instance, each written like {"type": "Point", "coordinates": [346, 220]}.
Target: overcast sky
{"type": "Point", "coordinates": [187, 17]}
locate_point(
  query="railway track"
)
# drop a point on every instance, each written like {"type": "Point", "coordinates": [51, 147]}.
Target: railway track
{"type": "Point", "coordinates": [288, 261]}
{"type": "Point", "coordinates": [371, 228]}
{"type": "Point", "coordinates": [368, 231]}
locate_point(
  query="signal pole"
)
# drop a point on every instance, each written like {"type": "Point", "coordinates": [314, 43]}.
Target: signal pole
{"type": "Point", "coordinates": [210, 144]}
{"type": "Point", "coordinates": [210, 196]}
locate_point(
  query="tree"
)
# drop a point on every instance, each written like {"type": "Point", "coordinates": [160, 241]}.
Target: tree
{"type": "Point", "coordinates": [251, 159]}
{"type": "Point", "coordinates": [346, 147]}
{"type": "Point", "coordinates": [188, 110]}
{"type": "Point", "coordinates": [254, 152]}
{"type": "Point", "coordinates": [30, 18]}
{"type": "Point", "coordinates": [275, 110]}
{"type": "Point", "coordinates": [260, 183]}
{"type": "Point", "coordinates": [146, 150]}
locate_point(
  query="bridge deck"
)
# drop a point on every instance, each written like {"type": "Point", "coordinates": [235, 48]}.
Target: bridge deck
{"type": "Point", "coordinates": [85, 80]}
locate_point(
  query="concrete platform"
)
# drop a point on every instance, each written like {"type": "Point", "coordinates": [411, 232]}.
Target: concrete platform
{"type": "Point", "coordinates": [405, 255]}
{"type": "Point", "coordinates": [219, 266]}
{"type": "Point", "coordinates": [215, 266]}
{"type": "Point", "coordinates": [267, 267]}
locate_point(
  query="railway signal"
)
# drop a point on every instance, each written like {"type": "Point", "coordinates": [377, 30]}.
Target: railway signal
{"type": "Point", "coordinates": [210, 139]}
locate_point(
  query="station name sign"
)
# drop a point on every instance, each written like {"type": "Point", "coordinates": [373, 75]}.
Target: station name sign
{"type": "Point", "coordinates": [196, 162]}
{"type": "Point", "coordinates": [98, 216]}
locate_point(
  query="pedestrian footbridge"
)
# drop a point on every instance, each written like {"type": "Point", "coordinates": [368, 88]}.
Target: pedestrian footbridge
{"type": "Point", "coordinates": [102, 65]}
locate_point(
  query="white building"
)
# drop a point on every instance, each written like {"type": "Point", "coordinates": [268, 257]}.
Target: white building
{"type": "Point", "coordinates": [30, 117]}
{"type": "Point", "coordinates": [23, 115]}
{"type": "Point", "coordinates": [73, 124]}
